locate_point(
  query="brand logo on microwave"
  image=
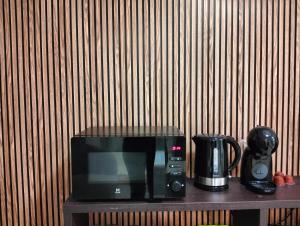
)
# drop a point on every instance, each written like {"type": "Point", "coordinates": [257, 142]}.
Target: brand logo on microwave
{"type": "Point", "coordinates": [117, 191]}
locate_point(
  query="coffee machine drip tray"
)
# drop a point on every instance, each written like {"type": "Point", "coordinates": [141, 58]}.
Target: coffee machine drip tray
{"type": "Point", "coordinates": [261, 187]}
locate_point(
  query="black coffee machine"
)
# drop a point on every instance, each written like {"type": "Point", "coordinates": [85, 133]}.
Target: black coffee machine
{"type": "Point", "coordinates": [211, 163]}
{"type": "Point", "coordinates": [256, 168]}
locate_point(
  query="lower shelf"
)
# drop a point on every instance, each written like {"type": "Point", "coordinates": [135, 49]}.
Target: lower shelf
{"type": "Point", "coordinates": [246, 207]}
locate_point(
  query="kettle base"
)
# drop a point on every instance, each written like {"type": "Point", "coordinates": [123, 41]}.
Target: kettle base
{"type": "Point", "coordinates": [211, 188]}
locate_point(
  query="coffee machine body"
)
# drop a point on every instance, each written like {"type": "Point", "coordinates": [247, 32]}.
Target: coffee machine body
{"type": "Point", "coordinates": [256, 167]}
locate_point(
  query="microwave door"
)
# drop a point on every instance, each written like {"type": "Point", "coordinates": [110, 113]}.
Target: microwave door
{"type": "Point", "coordinates": [113, 168]}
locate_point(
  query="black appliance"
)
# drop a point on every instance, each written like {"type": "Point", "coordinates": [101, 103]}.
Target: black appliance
{"type": "Point", "coordinates": [256, 169]}
{"type": "Point", "coordinates": [128, 163]}
{"type": "Point", "coordinates": [211, 163]}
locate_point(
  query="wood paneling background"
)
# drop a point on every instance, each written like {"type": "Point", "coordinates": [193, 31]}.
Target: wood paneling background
{"type": "Point", "coordinates": [211, 66]}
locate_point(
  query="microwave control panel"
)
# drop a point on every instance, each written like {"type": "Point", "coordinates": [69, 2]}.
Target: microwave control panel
{"type": "Point", "coordinates": [175, 167]}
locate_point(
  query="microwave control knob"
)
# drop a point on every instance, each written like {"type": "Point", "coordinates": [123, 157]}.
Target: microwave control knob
{"type": "Point", "coordinates": [176, 186]}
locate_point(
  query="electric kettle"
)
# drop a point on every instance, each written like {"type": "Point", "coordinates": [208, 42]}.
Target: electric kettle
{"type": "Point", "coordinates": [211, 162]}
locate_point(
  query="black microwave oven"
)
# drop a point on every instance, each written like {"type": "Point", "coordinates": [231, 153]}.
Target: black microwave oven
{"type": "Point", "coordinates": [128, 163]}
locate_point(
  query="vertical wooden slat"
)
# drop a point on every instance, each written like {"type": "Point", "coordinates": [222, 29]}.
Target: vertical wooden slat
{"type": "Point", "coordinates": [91, 73]}
{"type": "Point", "coordinates": [285, 81]}
{"type": "Point", "coordinates": [130, 65]}
{"type": "Point", "coordinates": [157, 62]}
{"type": "Point", "coordinates": [7, 119]}
{"type": "Point", "coordinates": [15, 82]}
{"type": "Point", "coordinates": [181, 65]}
{"type": "Point", "coordinates": [114, 70]}
{"type": "Point", "coordinates": [146, 59]}
{"type": "Point", "coordinates": [46, 195]}
{"type": "Point", "coordinates": [291, 88]}
{"type": "Point", "coordinates": [263, 64]}
{"type": "Point", "coordinates": [68, 95]}
{"type": "Point", "coordinates": [52, 118]}
{"type": "Point", "coordinates": [280, 81]}
{"type": "Point", "coordinates": [296, 158]}
{"type": "Point", "coordinates": [269, 63]}
{"type": "Point", "coordinates": [48, 136]}
{"type": "Point", "coordinates": [151, 70]}
{"type": "Point", "coordinates": [2, 159]}
{"type": "Point", "coordinates": [192, 77]}
{"type": "Point", "coordinates": [39, 108]}
{"type": "Point", "coordinates": [136, 74]}
{"type": "Point", "coordinates": [170, 64]}
{"type": "Point", "coordinates": [186, 83]}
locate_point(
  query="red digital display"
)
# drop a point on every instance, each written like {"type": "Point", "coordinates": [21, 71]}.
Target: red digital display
{"type": "Point", "coordinates": [176, 148]}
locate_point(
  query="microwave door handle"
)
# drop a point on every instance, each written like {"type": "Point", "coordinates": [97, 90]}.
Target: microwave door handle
{"type": "Point", "coordinates": [159, 174]}
{"type": "Point", "coordinates": [149, 174]}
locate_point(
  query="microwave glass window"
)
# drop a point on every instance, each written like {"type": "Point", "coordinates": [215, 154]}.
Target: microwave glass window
{"type": "Point", "coordinates": [114, 167]}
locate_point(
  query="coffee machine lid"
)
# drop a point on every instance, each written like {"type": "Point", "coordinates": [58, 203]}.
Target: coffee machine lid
{"type": "Point", "coordinates": [262, 140]}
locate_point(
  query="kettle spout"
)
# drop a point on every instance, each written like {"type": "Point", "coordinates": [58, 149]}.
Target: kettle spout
{"type": "Point", "coordinates": [195, 139]}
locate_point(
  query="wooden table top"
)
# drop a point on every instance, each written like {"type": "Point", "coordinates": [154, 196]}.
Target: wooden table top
{"type": "Point", "coordinates": [236, 197]}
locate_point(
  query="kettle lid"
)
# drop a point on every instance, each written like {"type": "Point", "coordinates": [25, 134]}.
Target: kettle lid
{"type": "Point", "coordinates": [209, 137]}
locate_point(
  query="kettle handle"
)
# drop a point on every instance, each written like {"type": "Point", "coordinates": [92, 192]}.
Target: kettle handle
{"type": "Point", "coordinates": [237, 150]}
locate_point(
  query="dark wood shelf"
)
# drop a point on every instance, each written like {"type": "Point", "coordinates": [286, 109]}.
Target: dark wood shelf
{"type": "Point", "coordinates": [237, 197]}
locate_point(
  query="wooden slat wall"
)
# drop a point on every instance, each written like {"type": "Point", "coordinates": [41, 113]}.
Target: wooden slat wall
{"type": "Point", "coordinates": [211, 66]}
